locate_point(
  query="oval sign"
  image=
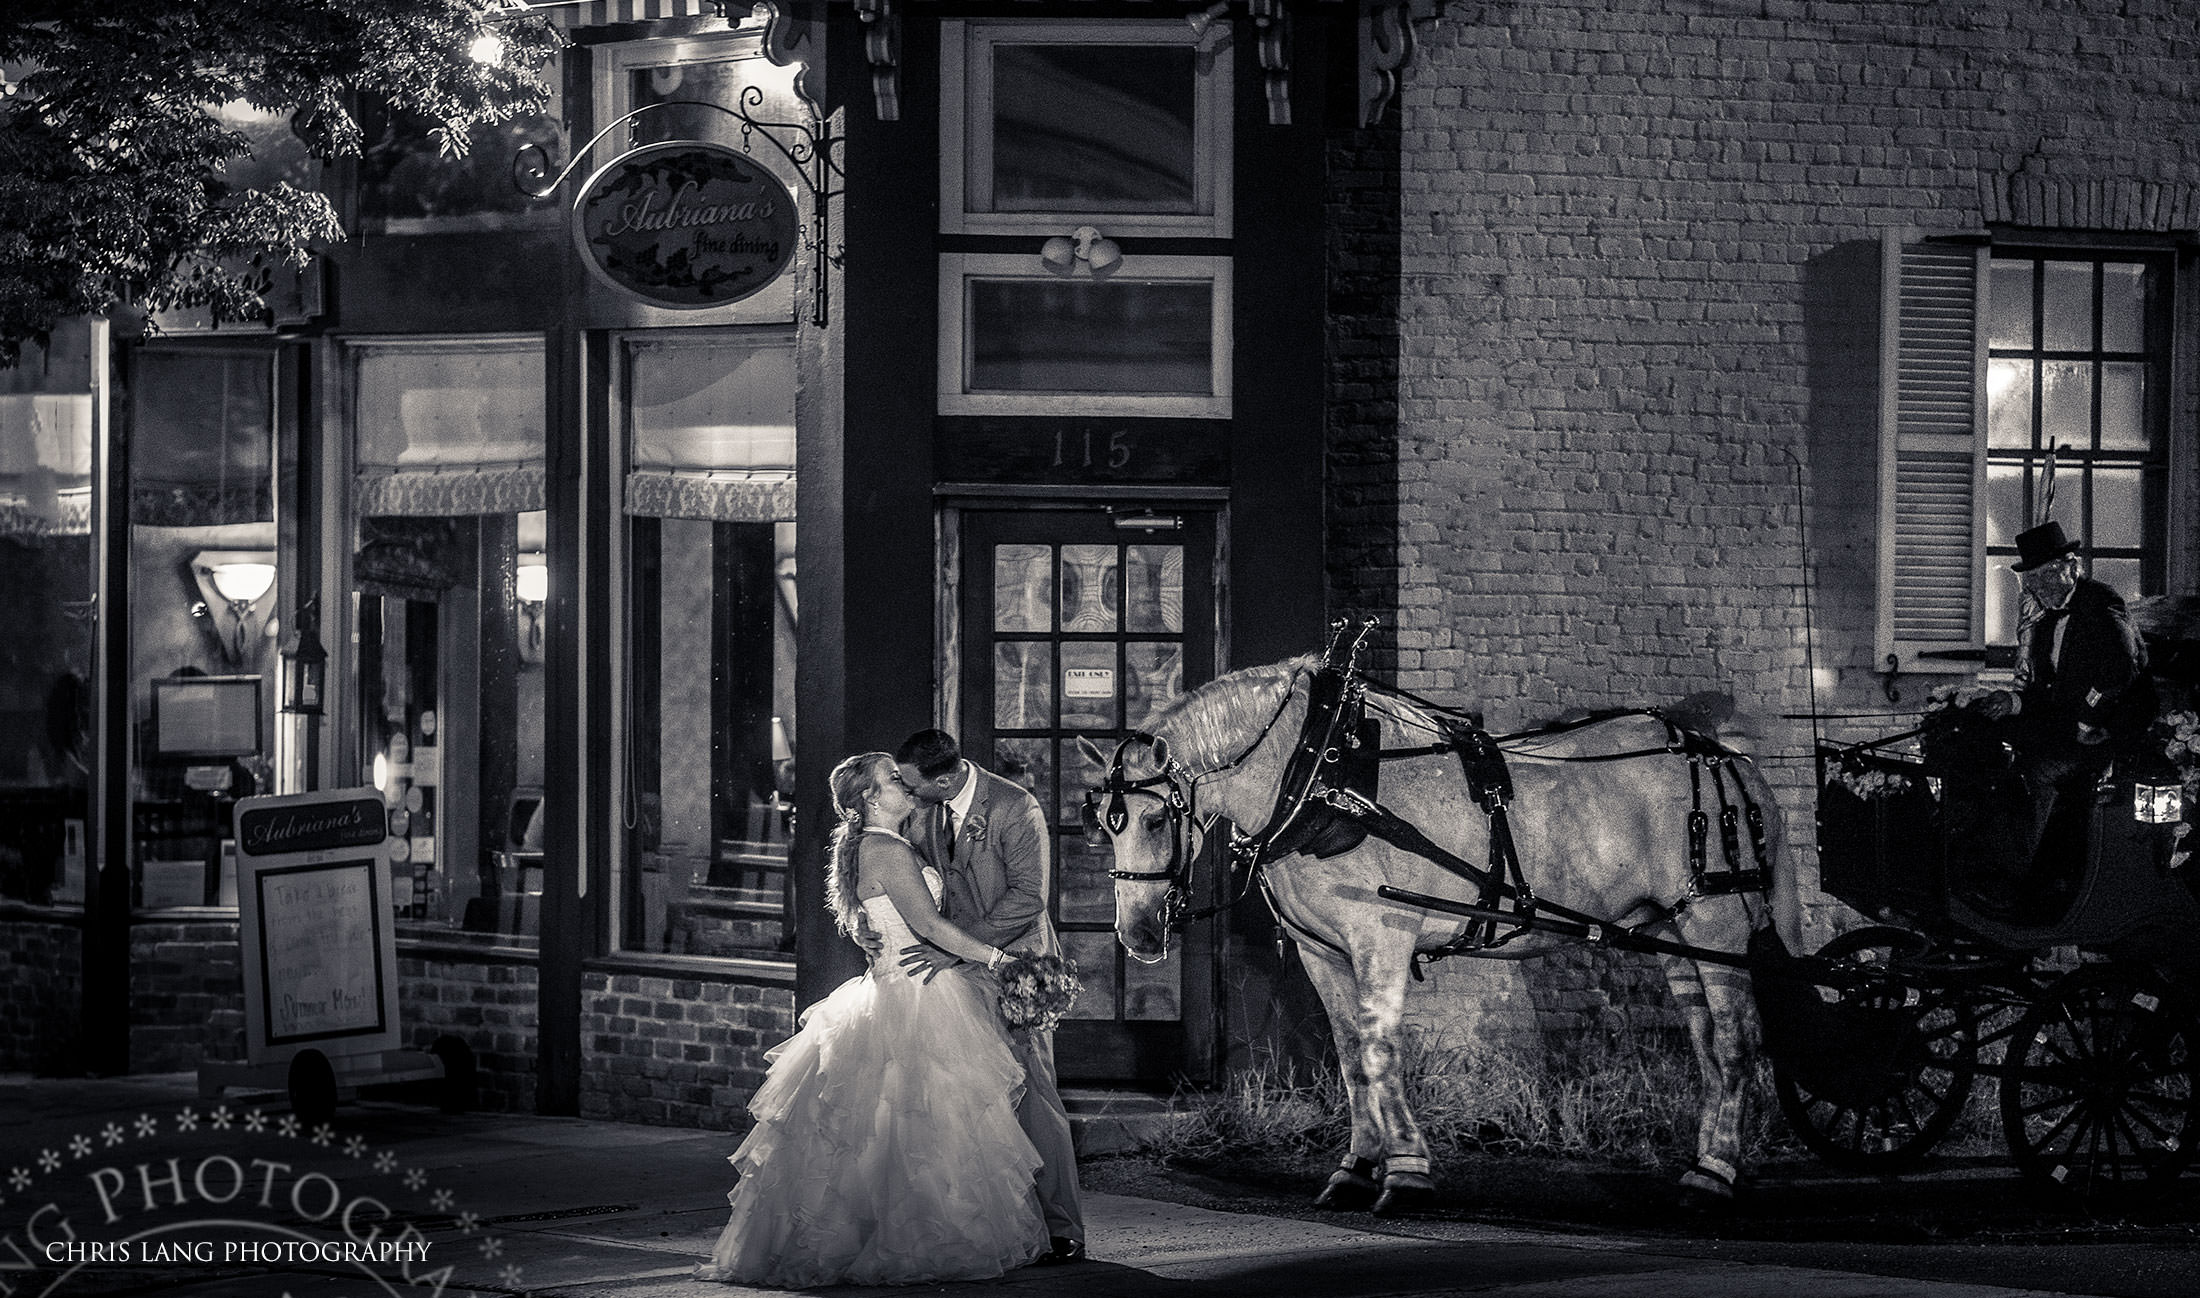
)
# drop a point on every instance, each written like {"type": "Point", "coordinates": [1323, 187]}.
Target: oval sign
{"type": "Point", "coordinates": [685, 224]}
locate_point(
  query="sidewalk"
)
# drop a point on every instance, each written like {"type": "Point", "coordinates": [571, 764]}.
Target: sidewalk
{"type": "Point", "coordinates": [565, 1208]}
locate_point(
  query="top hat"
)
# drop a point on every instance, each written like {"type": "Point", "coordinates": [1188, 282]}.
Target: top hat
{"type": "Point", "coordinates": [2041, 545]}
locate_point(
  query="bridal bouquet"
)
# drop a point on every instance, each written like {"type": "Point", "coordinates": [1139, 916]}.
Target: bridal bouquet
{"type": "Point", "coordinates": [1037, 990]}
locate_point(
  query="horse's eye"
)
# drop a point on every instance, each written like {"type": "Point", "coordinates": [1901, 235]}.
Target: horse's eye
{"type": "Point", "coordinates": [1152, 821]}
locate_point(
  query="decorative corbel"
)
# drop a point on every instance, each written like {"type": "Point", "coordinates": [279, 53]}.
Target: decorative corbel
{"type": "Point", "coordinates": [1386, 46]}
{"type": "Point", "coordinates": [790, 41]}
{"type": "Point", "coordinates": [1273, 23]}
{"type": "Point", "coordinates": [882, 46]}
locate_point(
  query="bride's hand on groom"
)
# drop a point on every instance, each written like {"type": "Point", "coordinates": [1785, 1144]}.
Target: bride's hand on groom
{"type": "Point", "coordinates": [923, 961]}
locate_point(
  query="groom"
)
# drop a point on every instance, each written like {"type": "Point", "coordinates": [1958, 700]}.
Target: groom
{"type": "Point", "coordinates": [990, 842]}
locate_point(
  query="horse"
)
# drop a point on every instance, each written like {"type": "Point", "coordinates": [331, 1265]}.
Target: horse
{"type": "Point", "coordinates": [1599, 814]}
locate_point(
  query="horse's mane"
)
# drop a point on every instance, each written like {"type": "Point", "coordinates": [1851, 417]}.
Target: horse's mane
{"type": "Point", "coordinates": [1212, 725]}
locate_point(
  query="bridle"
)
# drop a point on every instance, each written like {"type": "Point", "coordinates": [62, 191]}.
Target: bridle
{"type": "Point", "coordinates": [1176, 787]}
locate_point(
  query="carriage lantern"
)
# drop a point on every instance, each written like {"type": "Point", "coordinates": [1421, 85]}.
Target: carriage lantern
{"type": "Point", "coordinates": [2157, 801]}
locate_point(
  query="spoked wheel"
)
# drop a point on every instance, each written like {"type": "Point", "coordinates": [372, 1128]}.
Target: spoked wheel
{"type": "Point", "coordinates": [1886, 1070]}
{"type": "Point", "coordinates": [2098, 1098]}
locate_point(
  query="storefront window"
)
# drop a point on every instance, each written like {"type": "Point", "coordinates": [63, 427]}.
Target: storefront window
{"type": "Point", "coordinates": [449, 581]}
{"type": "Point", "coordinates": [709, 718]}
{"type": "Point", "coordinates": [203, 594]}
{"type": "Point", "coordinates": [46, 640]}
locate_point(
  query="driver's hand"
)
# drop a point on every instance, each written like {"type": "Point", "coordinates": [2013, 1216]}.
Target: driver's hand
{"type": "Point", "coordinates": [924, 961]}
{"type": "Point", "coordinates": [1995, 705]}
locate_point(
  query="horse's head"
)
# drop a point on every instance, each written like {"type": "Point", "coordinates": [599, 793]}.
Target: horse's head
{"type": "Point", "coordinates": [1142, 811]}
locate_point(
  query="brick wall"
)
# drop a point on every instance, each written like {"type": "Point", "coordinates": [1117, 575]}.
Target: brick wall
{"type": "Point", "coordinates": [1638, 261]}
{"type": "Point", "coordinates": [41, 991]}
{"type": "Point", "coordinates": [487, 1002]}
{"type": "Point", "coordinates": [186, 994]}
{"type": "Point", "coordinates": [678, 1051]}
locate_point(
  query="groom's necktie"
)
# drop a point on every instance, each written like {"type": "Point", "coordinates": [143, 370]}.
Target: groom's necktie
{"type": "Point", "coordinates": [947, 829]}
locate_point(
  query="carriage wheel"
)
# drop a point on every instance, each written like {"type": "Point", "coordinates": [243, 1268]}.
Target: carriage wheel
{"type": "Point", "coordinates": [1883, 1112]}
{"type": "Point", "coordinates": [2098, 1096]}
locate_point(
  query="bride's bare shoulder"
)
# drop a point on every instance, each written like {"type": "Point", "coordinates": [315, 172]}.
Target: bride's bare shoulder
{"type": "Point", "coordinates": [880, 857]}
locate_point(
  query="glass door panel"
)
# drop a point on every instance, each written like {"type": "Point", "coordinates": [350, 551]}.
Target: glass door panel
{"type": "Point", "coordinates": [1078, 631]}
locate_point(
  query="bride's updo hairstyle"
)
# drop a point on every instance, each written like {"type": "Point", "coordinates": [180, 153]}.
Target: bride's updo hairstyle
{"type": "Point", "coordinates": [852, 782]}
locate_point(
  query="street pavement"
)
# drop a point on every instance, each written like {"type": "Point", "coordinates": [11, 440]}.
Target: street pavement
{"type": "Point", "coordinates": [568, 1208]}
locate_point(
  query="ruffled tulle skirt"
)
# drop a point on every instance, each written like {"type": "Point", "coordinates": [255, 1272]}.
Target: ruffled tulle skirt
{"type": "Point", "coordinates": [886, 1148]}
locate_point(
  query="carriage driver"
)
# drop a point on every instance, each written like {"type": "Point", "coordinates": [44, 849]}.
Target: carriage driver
{"type": "Point", "coordinates": [2082, 695]}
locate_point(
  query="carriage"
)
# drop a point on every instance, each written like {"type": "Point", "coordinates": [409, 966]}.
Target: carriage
{"type": "Point", "coordinates": [1363, 814]}
{"type": "Point", "coordinates": [2079, 997]}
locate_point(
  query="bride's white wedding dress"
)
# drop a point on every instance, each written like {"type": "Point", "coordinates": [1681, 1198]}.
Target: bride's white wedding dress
{"type": "Point", "coordinates": [886, 1147]}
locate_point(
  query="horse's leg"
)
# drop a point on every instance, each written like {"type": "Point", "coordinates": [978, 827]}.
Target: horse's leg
{"type": "Point", "coordinates": [1382, 969]}
{"type": "Point", "coordinates": [1353, 1185]}
{"type": "Point", "coordinates": [1716, 1004]}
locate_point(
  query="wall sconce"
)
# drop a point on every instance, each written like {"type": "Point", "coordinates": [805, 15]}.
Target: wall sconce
{"type": "Point", "coordinates": [241, 583]}
{"type": "Point", "coordinates": [530, 588]}
{"type": "Point", "coordinates": [305, 662]}
{"type": "Point", "coordinates": [1085, 244]}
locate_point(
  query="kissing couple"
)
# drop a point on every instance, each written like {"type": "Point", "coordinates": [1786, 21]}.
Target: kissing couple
{"type": "Point", "coordinates": [906, 1133]}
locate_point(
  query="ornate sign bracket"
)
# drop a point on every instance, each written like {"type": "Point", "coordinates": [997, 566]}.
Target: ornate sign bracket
{"type": "Point", "coordinates": [809, 146]}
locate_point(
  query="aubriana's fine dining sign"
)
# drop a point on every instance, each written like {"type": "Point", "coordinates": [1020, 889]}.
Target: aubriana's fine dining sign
{"type": "Point", "coordinates": [686, 224]}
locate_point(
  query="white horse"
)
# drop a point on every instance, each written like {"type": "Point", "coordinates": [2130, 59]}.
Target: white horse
{"type": "Point", "coordinates": [1607, 838]}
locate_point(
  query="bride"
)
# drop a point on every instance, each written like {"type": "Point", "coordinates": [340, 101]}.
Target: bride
{"type": "Point", "coordinates": [886, 1148]}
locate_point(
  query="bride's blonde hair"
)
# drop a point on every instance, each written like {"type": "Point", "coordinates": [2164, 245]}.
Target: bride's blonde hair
{"type": "Point", "coordinates": [852, 781]}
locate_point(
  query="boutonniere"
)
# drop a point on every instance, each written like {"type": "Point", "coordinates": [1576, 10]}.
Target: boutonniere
{"type": "Point", "coordinates": [974, 829]}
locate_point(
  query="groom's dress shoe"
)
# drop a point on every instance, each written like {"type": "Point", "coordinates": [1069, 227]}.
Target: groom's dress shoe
{"type": "Point", "coordinates": [1063, 1250]}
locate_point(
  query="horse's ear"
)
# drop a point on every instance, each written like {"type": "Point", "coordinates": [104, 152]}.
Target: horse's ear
{"type": "Point", "coordinates": [1160, 751]}
{"type": "Point", "coordinates": [1092, 751]}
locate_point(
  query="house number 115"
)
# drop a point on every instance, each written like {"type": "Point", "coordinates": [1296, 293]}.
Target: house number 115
{"type": "Point", "coordinates": [1114, 453]}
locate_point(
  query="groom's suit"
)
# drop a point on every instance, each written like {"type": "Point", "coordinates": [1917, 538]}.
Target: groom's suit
{"type": "Point", "coordinates": [996, 875]}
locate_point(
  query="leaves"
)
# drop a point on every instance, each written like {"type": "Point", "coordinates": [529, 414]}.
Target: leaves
{"type": "Point", "coordinates": [117, 172]}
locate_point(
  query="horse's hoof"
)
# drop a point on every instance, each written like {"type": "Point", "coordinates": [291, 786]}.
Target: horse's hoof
{"type": "Point", "coordinates": [1405, 1192]}
{"type": "Point", "coordinates": [1703, 1190]}
{"type": "Point", "coordinates": [1347, 1191]}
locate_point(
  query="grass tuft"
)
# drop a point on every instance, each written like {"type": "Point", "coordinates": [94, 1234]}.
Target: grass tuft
{"type": "Point", "coordinates": [1610, 1099]}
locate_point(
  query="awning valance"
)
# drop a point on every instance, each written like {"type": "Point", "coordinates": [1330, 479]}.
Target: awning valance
{"type": "Point", "coordinates": [450, 427]}
{"type": "Point", "coordinates": [713, 432]}
{"type": "Point", "coordinates": [45, 465]}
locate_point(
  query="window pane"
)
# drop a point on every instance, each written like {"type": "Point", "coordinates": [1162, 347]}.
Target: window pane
{"type": "Point", "coordinates": [1156, 580]}
{"type": "Point", "coordinates": [2001, 602]}
{"type": "Point", "coordinates": [1088, 687]}
{"type": "Point", "coordinates": [1093, 128]}
{"type": "Point", "coordinates": [1121, 336]}
{"type": "Point", "coordinates": [1156, 677]}
{"type": "Point", "coordinates": [1029, 762]}
{"type": "Point", "coordinates": [2123, 406]}
{"type": "Point", "coordinates": [712, 734]}
{"type": "Point", "coordinates": [2067, 315]}
{"type": "Point", "coordinates": [2123, 307]}
{"type": "Point", "coordinates": [1153, 992]}
{"type": "Point", "coordinates": [2117, 506]}
{"type": "Point", "coordinates": [1023, 685]}
{"type": "Point", "coordinates": [1095, 957]}
{"type": "Point", "coordinates": [2121, 575]}
{"type": "Point", "coordinates": [2066, 410]}
{"type": "Point", "coordinates": [2009, 294]}
{"type": "Point", "coordinates": [1080, 775]}
{"type": "Point", "coordinates": [1023, 588]}
{"type": "Point", "coordinates": [2009, 403]}
{"type": "Point", "coordinates": [1088, 588]}
{"type": "Point", "coordinates": [1088, 894]}
{"type": "Point", "coordinates": [2005, 510]}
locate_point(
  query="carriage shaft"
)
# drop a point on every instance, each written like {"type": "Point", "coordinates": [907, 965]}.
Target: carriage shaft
{"type": "Point", "coordinates": [1589, 930]}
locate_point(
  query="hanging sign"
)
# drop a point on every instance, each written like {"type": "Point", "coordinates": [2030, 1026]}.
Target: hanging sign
{"type": "Point", "coordinates": [686, 224]}
{"type": "Point", "coordinates": [319, 955]}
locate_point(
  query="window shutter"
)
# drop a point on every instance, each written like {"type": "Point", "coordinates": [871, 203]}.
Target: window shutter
{"type": "Point", "coordinates": [1932, 470]}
